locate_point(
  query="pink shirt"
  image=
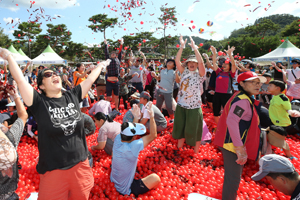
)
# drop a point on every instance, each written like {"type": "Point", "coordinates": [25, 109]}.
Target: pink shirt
{"type": "Point", "coordinates": [239, 110]}
{"type": "Point", "coordinates": [109, 130]}
{"type": "Point", "coordinates": [223, 81]}
{"type": "Point", "coordinates": [294, 89]}
{"type": "Point", "coordinates": [101, 106]}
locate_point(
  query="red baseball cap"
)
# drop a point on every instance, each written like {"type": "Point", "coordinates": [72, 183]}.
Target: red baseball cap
{"type": "Point", "coordinates": [248, 76]}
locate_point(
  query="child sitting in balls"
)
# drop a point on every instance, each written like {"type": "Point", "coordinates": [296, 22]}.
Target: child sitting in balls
{"type": "Point", "coordinates": [126, 150]}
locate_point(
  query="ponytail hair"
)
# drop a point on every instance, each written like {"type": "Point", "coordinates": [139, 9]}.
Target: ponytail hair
{"type": "Point", "coordinates": [100, 115]}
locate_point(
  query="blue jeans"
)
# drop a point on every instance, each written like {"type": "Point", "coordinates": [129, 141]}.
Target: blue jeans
{"type": "Point", "coordinates": [138, 86]}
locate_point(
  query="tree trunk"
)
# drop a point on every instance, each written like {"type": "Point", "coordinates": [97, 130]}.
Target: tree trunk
{"type": "Point", "coordinates": [165, 41]}
{"type": "Point", "coordinates": [104, 34]}
{"type": "Point", "coordinates": [29, 47]}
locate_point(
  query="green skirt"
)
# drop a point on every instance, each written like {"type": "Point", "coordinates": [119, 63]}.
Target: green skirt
{"type": "Point", "coordinates": [188, 124]}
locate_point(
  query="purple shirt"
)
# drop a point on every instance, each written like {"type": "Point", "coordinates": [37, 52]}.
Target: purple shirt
{"type": "Point", "coordinates": [223, 81]}
{"type": "Point", "coordinates": [101, 106]}
{"type": "Point", "coordinates": [239, 110]}
{"type": "Point", "coordinates": [109, 130]}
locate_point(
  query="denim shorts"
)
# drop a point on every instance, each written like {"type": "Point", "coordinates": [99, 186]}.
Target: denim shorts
{"type": "Point", "coordinates": [110, 86]}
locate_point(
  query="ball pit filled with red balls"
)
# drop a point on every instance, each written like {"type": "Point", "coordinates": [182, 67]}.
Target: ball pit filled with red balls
{"type": "Point", "coordinates": [181, 171]}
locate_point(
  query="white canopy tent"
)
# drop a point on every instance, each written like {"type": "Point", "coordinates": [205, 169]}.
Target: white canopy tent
{"type": "Point", "coordinates": [20, 59]}
{"type": "Point", "coordinates": [49, 57]}
{"type": "Point", "coordinates": [285, 52]}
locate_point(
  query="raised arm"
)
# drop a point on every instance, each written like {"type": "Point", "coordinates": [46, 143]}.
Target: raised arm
{"type": "Point", "coordinates": [157, 77]}
{"type": "Point", "coordinates": [120, 49]}
{"type": "Point", "coordinates": [179, 53]}
{"type": "Point", "coordinates": [87, 84]}
{"type": "Point", "coordinates": [214, 58]}
{"type": "Point", "coordinates": [230, 54]}
{"type": "Point", "coordinates": [153, 133]}
{"type": "Point", "coordinates": [144, 58]}
{"type": "Point", "coordinates": [25, 88]}
{"type": "Point", "coordinates": [28, 63]}
{"type": "Point", "coordinates": [21, 111]}
{"type": "Point", "coordinates": [106, 50]}
{"type": "Point", "coordinates": [201, 66]}
{"type": "Point", "coordinates": [208, 64]}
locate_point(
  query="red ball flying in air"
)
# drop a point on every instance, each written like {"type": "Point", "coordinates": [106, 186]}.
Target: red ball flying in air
{"type": "Point", "coordinates": [19, 35]}
{"type": "Point", "coordinates": [124, 29]}
{"type": "Point", "coordinates": [282, 40]}
{"type": "Point", "coordinates": [141, 68]}
{"type": "Point", "coordinates": [177, 45]}
{"type": "Point", "coordinates": [192, 21]}
{"type": "Point", "coordinates": [201, 44]}
{"type": "Point", "coordinates": [140, 44]}
{"type": "Point", "coordinates": [142, 22]}
{"type": "Point", "coordinates": [193, 27]}
{"type": "Point", "coordinates": [18, 41]}
{"type": "Point", "coordinates": [108, 5]}
{"type": "Point", "coordinates": [144, 40]}
{"type": "Point", "coordinates": [30, 40]}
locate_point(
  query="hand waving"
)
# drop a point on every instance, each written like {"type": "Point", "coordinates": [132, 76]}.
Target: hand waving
{"type": "Point", "coordinates": [4, 53]}
{"type": "Point", "coordinates": [192, 44]}
{"type": "Point", "coordinates": [136, 112]}
{"type": "Point", "coordinates": [182, 42]}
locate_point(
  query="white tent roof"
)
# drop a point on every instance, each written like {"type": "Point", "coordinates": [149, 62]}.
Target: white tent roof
{"type": "Point", "coordinates": [283, 53]}
{"type": "Point", "coordinates": [20, 59]}
{"type": "Point", "coordinates": [49, 57]}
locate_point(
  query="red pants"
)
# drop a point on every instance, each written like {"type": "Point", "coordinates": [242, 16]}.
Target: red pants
{"type": "Point", "coordinates": [74, 183]}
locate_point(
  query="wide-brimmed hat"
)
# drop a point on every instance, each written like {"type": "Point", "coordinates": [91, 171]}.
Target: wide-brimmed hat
{"type": "Point", "coordinates": [191, 58]}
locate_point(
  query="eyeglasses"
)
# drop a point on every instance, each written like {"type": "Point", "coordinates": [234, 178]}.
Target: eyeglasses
{"type": "Point", "coordinates": [254, 83]}
{"type": "Point", "coordinates": [294, 63]}
{"type": "Point", "coordinates": [49, 74]}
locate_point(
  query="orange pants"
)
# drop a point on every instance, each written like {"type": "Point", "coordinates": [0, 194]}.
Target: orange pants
{"type": "Point", "coordinates": [74, 183]}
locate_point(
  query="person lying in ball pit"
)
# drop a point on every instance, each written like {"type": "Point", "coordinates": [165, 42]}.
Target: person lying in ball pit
{"type": "Point", "coordinates": [126, 150]}
{"type": "Point", "coordinates": [62, 146]}
{"type": "Point", "coordinates": [238, 131]}
{"type": "Point", "coordinates": [188, 115]}
{"type": "Point", "coordinates": [280, 173]}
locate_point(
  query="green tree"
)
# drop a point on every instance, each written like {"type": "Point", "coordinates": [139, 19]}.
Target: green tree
{"type": "Point", "coordinates": [291, 29]}
{"type": "Point", "coordinates": [261, 28]}
{"type": "Point", "coordinates": [57, 35]}
{"type": "Point", "coordinates": [167, 18]}
{"type": "Point", "coordinates": [27, 32]}
{"type": "Point", "coordinates": [73, 50]}
{"type": "Point", "coordinates": [101, 23]}
{"type": "Point", "coordinates": [4, 39]}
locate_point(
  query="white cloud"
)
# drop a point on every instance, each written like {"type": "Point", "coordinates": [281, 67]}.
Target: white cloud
{"type": "Point", "coordinates": [231, 15]}
{"type": "Point", "coordinates": [8, 31]}
{"type": "Point", "coordinates": [191, 8]}
{"type": "Point", "coordinates": [56, 4]}
{"type": "Point", "coordinates": [287, 8]}
{"type": "Point", "coordinates": [238, 3]}
{"type": "Point", "coordinates": [9, 20]}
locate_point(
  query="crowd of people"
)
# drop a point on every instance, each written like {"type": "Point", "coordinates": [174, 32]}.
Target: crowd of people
{"type": "Point", "coordinates": [254, 109]}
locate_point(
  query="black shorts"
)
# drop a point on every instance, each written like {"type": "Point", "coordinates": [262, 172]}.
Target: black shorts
{"type": "Point", "coordinates": [209, 97]}
{"type": "Point", "coordinates": [220, 99]}
{"type": "Point", "coordinates": [138, 187]}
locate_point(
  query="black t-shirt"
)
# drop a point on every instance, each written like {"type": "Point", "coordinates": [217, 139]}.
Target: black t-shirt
{"type": "Point", "coordinates": [278, 75]}
{"type": "Point", "coordinates": [62, 142]}
{"type": "Point", "coordinates": [296, 193]}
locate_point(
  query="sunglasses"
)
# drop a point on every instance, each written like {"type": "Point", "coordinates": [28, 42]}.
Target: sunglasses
{"type": "Point", "coordinates": [49, 74]}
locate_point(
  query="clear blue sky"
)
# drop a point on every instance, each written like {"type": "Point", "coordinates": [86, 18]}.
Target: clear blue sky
{"type": "Point", "coordinates": [226, 15]}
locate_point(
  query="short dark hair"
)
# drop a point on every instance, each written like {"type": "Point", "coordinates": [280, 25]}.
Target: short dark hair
{"type": "Point", "coordinates": [291, 176]}
{"type": "Point", "coordinates": [125, 137]}
{"type": "Point", "coordinates": [100, 115]}
{"type": "Point", "coordinates": [279, 84]}
{"type": "Point", "coordinates": [133, 101]}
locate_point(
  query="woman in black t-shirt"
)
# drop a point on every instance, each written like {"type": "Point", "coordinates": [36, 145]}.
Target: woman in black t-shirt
{"type": "Point", "coordinates": [63, 165]}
